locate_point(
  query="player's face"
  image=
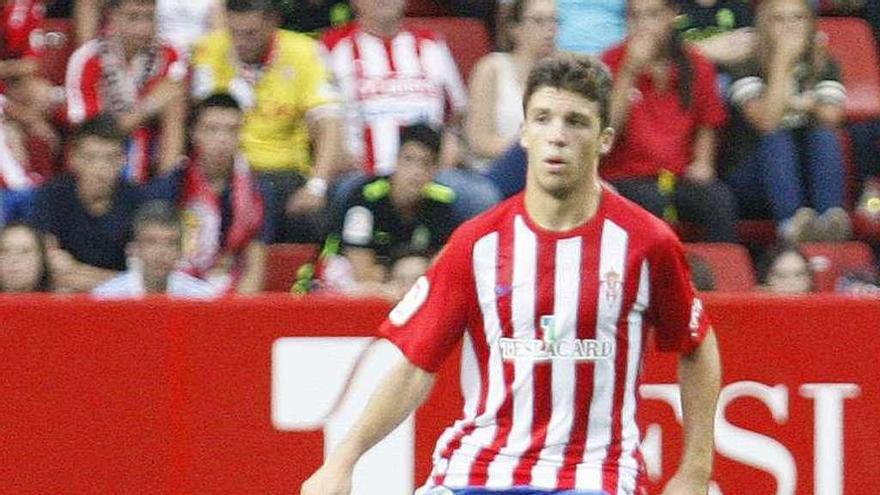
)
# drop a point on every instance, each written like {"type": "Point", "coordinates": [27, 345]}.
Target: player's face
{"type": "Point", "coordinates": [158, 247]}
{"type": "Point", "coordinates": [97, 163]}
{"type": "Point", "coordinates": [216, 138]}
{"type": "Point", "coordinates": [250, 32]}
{"type": "Point", "coordinates": [381, 10]}
{"type": "Point", "coordinates": [134, 22]}
{"type": "Point", "coordinates": [564, 138]}
{"type": "Point", "coordinates": [536, 32]}
{"type": "Point", "coordinates": [416, 166]}
{"type": "Point", "coordinates": [653, 18]}
{"type": "Point", "coordinates": [789, 274]}
{"type": "Point", "coordinates": [21, 265]}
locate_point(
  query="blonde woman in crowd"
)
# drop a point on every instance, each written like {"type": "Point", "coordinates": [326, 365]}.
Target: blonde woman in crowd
{"type": "Point", "coordinates": [788, 101]}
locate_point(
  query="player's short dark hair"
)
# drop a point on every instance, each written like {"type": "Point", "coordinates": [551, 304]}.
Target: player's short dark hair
{"type": "Point", "coordinates": [216, 100]}
{"type": "Point", "coordinates": [581, 74]}
{"type": "Point", "coordinates": [247, 6]}
{"type": "Point", "coordinates": [102, 126]}
{"type": "Point", "coordinates": [156, 212]}
{"type": "Point", "coordinates": [423, 134]}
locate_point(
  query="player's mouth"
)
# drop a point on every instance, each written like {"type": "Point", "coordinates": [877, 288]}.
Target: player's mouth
{"type": "Point", "coordinates": [555, 164]}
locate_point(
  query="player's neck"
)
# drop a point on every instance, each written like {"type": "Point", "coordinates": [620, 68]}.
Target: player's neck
{"type": "Point", "coordinates": [382, 28]}
{"type": "Point", "coordinates": [564, 213]}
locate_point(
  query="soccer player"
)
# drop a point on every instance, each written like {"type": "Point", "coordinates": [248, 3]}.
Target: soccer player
{"type": "Point", "coordinates": [553, 292]}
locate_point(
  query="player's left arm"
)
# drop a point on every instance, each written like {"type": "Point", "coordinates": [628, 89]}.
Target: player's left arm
{"type": "Point", "coordinates": [682, 326]}
{"type": "Point", "coordinates": [699, 376]}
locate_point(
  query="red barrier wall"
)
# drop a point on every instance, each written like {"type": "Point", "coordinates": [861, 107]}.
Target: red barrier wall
{"type": "Point", "coordinates": [176, 397]}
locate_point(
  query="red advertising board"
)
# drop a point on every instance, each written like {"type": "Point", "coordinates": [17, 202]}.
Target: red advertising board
{"type": "Point", "coordinates": [242, 395]}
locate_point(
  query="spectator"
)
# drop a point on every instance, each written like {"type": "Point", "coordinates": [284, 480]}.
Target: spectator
{"type": "Point", "coordinates": [586, 26]}
{"type": "Point", "coordinates": [16, 184]}
{"type": "Point", "coordinates": [392, 218]}
{"type": "Point", "coordinates": [31, 98]}
{"type": "Point", "coordinates": [498, 80]}
{"type": "Point", "coordinates": [23, 263]}
{"type": "Point", "coordinates": [87, 215]}
{"type": "Point", "coordinates": [665, 110]}
{"type": "Point", "coordinates": [788, 102]}
{"type": "Point", "coordinates": [391, 76]}
{"type": "Point", "coordinates": [127, 73]}
{"type": "Point", "coordinates": [784, 269]}
{"type": "Point", "coordinates": [720, 29]}
{"type": "Point", "coordinates": [313, 16]}
{"type": "Point", "coordinates": [865, 138]}
{"type": "Point", "coordinates": [280, 80]}
{"type": "Point", "coordinates": [155, 253]}
{"type": "Point", "coordinates": [227, 223]}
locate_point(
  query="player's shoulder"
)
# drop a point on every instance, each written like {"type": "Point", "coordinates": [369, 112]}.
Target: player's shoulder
{"type": "Point", "coordinates": [333, 37]}
{"type": "Point", "coordinates": [296, 48]}
{"type": "Point", "coordinates": [639, 223]}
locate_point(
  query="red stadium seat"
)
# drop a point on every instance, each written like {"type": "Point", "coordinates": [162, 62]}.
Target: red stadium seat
{"type": "Point", "coordinates": [467, 38]}
{"type": "Point", "coordinates": [851, 43]}
{"type": "Point", "coordinates": [831, 260]}
{"type": "Point", "coordinates": [282, 263]}
{"type": "Point", "coordinates": [59, 41]}
{"type": "Point", "coordinates": [731, 265]}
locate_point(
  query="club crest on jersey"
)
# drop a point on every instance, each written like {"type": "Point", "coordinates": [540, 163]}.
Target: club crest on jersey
{"type": "Point", "coordinates": [612, 282]}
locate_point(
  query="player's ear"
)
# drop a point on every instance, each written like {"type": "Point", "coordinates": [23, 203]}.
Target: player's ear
{"type": "Point", "coordinates": [606, 140]}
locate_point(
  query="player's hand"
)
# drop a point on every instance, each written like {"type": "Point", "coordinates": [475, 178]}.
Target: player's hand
{"type": "Point", "coordinates": [700, 173]}
{"type": "Point", "coordinates": [328, 481]}
{"type": "Point", "coordinates": [682, 484]}
{"type": "Point", "coordinates": [640, 49]}
{"type": "Point", "coordinates": [303, 202]}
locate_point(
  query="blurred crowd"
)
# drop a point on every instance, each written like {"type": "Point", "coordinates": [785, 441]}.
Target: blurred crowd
{"type": "Point", "coordinates": [188, 137]}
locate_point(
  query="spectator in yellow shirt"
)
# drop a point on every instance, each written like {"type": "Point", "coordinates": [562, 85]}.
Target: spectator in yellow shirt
{"type": "Point", "coordinates": [292, 133]}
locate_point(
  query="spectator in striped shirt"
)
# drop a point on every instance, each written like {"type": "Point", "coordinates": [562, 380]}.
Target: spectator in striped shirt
{"type": "Point", "coordinates": [392, 76]}
{"type": "Point", "coordinates": [155, 253]}
{"type": "Point", "coordinates": [782, 147]}
{"type": "Point", "coordinates": [128, 73]}
{"type": "Point", "coordinates": [552, 293]}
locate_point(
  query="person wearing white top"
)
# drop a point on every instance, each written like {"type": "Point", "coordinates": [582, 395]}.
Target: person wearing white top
{"type": "Point", "coordinates": [154, 254]}
{"type": "Point", "coordinates": [496, 86]}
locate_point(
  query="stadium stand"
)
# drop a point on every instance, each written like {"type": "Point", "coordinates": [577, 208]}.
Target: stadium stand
{"type": "Point", "coordinates": [468, 39]}
{"type": "Point", "coordinates": [851, 42]}
{"type": "Point", "coordinates": [832, 260]}
{"type": "Point", "coordinates": [282, 263]}
{"type": "Point", "coordinates": [731, 265]}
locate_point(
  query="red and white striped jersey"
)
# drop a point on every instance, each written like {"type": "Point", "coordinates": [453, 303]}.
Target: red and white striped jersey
{"type": "Point", "coordinates": [554, 325]}
{"type": "Point", "coordinates": [89, 92]}
{"type": "Point", "coordinates": [389, 83]}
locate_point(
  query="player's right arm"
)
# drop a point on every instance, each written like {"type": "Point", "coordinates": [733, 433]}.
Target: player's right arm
{"type": "Point", "coordinates": [426, 325]}
{"type": "Point", "coordinates": [401, 392]}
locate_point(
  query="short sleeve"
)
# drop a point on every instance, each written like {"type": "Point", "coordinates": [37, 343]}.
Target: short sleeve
{"type": "Point", "coordinates": [675, 311]}
{"type": "Point", "coordinates": [315, 85]}
{"type": "Point", "coordinates": [430, 320]}
{"type": "Point", "coordinates": [747, 84]}
{"type": "Point", "coordinates": [358, 224]}
{"type": "Point", "coordinates": [830, 89]}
